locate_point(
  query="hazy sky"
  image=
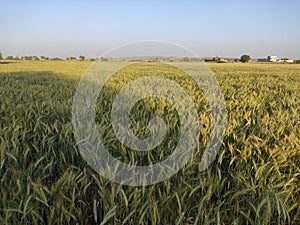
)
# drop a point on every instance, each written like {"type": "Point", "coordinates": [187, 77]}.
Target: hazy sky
{"type": "Point", "coordinates": [210, 28]}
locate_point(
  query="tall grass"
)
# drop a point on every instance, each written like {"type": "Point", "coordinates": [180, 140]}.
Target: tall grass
{"type": "Point", "coordinates": [254, 180]}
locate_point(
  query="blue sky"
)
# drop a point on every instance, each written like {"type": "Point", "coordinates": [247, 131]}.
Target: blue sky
{"type": "Point", "coordinates": [210, 28]}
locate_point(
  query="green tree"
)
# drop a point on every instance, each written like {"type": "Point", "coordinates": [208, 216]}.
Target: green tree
{"type": "Point", "coordinates": [297, 61]}
{"type": "Point", "coordinates": [104, 59]}
{"type": "Point", "coordinates": [56, 59]}
{"type": "Point", "coordinates": [28, 57]}
{"type": "Point", "coordinates": [216, 59]}
{"type": "Point", "coordinates": [245, 58]}
{"type": "Point", "coordinates": [1, 55]}
{"type": "Point", "coordinates": [81, 57]}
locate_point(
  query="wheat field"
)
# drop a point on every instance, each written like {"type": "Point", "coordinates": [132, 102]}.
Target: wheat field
{"type": "Point", "coordinates": [255, 178]}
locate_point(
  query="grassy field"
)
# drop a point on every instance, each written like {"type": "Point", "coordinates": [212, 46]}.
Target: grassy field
{"type": "Point", "coordinates": [254, 180]}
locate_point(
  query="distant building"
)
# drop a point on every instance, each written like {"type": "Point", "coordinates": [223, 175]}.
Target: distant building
{"type": "Point", "coordinates": [286, 60]}
{"type": "Point", "coordinates": [272, 58]}
{"type": "Point", "coordinates": [289, 61]}
{"type": "Point", "coordinates": [222, 60]}
{"type": "Point", "coordinates": [262, 60]}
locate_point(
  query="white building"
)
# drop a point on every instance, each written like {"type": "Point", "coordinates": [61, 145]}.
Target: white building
{"type": "Point", "coordinates": [285, 60]}
{"type": "Point", "coordinates": [272, 58]}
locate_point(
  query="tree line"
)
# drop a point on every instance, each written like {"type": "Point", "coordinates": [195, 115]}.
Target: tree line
{"type": "Point", "coordinates": [243, 59]}
{"type": "Point", "coordinates": [79, 58]}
